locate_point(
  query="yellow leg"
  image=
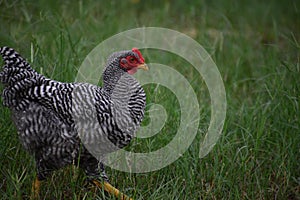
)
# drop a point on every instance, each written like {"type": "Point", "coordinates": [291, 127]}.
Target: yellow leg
{"type": "Point", "coordinates": [35, 190]}
{"type": "Point", "coordinates": [112, 190]}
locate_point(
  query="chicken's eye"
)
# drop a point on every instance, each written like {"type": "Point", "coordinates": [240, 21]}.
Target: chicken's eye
{"type": "Point", "coordinates": [132, 59]}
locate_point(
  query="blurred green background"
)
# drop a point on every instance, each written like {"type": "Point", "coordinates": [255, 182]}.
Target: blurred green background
{"type": "Point", "coordinates": [256, 46]}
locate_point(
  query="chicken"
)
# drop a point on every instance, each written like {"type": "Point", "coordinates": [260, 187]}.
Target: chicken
{"type": "Point", "coordinates": [51, 121]}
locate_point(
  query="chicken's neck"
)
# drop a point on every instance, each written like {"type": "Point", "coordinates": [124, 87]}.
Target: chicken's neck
{"type": "Point", "coordinates": [111, 78]}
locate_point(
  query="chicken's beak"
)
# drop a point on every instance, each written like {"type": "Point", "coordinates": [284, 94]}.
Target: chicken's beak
{"type": "Point", "coordinates": [143, 66]}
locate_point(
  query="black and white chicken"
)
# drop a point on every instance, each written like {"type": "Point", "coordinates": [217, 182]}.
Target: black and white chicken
{"type": "Point", "coordinates": [47, 113]}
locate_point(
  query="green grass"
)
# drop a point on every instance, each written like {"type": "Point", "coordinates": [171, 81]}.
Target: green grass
{"type": "Point", "coordinates": [256, 46]}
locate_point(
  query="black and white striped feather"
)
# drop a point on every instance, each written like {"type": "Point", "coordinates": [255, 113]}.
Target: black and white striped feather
{"type": "Point", "coordinates": [54, 119]}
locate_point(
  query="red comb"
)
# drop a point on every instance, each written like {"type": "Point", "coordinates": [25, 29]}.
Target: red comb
{"type": "Point", "coordinates": [135, 50]}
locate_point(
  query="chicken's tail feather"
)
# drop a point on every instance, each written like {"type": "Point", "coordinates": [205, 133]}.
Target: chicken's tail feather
{"type": "Point", "coordinates": [13, 58]}
{"type": "Point", "coordinates": [17, 76]}
{"type": "Point", "coordinates": [15, 68]}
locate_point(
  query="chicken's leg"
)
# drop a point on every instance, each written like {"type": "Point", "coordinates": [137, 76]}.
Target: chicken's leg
{"type": "Point", "coordinates": [35, 190]}
{"type": "Point", "coordinates": [111, 189]}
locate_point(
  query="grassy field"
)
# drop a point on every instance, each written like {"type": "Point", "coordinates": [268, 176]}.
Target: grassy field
{"type": "Point", "coordinates": [256, 46]}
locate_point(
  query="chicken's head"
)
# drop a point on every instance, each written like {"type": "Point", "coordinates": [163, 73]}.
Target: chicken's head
{"type": "Point", "coordinates": [133, 61]}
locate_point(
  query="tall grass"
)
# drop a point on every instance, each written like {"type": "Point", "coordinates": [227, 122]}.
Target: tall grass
{"type": "Point", "coordinates": [256, 46]}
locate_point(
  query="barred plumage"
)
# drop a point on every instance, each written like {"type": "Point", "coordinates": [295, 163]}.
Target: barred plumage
{"type": "Point", "coordinates": [53, 118]}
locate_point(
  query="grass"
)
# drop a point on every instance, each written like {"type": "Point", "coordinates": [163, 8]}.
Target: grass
{"type": "Point", "coordinates": [256, 47]}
